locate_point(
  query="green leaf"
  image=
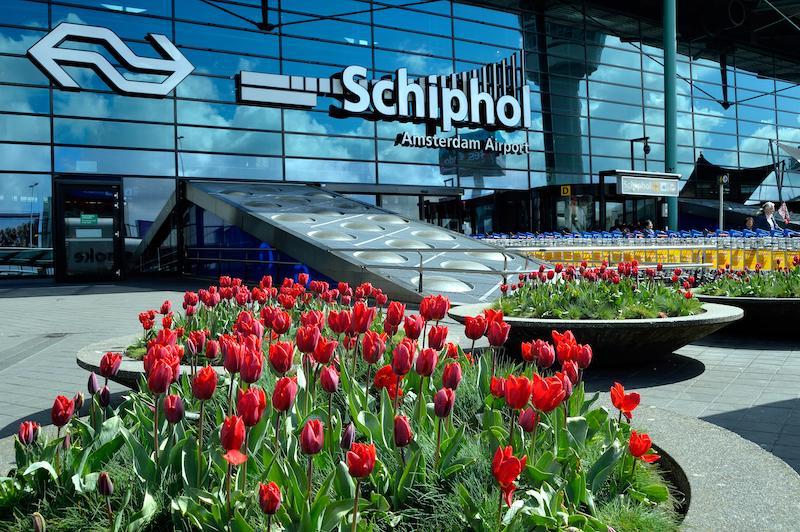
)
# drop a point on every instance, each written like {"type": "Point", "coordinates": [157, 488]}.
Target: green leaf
{"type": "Point", "coordinates": [407, 478]}
{"type": "Point", "coordinates": [335, 512]}
{"type": "Point", "coordinates": [577, 428]}
{"type": "Point", "coordinates": [450, 448]}
{"type": "Point", "coordinates": [343, 483]}
{"type": "Point", "coordinates": [86, 484]}
{"type": "Point", "coordinates": [110, 429]}
{"type": "Point", "coordinates": [101, 456]}
{"type": "Point", "coordinates": [387, 418]}
{"type": "Point", "coordinates": [238, 524]}
{"type": "Point", "coordinates": [142, 463]}
{"type": "Point", "coordinates": [601, 469]}
{"type": "Point", "coordinates": [36, 466]}
{"type": "Point", "coordinates": [655, 492]}
{"type": "Point", "coordinates": [143, 516]}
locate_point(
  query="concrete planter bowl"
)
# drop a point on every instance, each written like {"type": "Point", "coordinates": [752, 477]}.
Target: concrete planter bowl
{"type": "Point", "coordinates": [778, 316]}
{"type": "Point", "coordinates": [615, 342]}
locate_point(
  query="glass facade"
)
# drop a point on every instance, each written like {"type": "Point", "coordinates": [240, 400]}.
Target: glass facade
{"type": "Point", "coordinates": [592, 91]}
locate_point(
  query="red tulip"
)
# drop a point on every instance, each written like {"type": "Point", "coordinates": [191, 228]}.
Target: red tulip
{"type": "Point", "coordinates": [312, 317]}
{"type": "Point", "coordinates": [493, 315]}
{"type": "Point", "coordinates": [403, 357]}
{"type": "Point", "coordinates": [395, 313]}
{"type": "Point", "coordinates": [451, 350]}
{"type": "Point", "coordinates": [639, 444]}
{"type": "Point", "coordinates": [539, 352]}
{"type": "Point", "coordinates": [252, 366]}
{"type": "Point", "coordinates": [426, 362]}
{"type": "Point", "coordinates": [269, 498]}
{"type": "Point", "coordinates": [109, 364]}
{"type": "Point", "coordinates": [312, 437]}
{"type": "Point", "coordinates": [443, 402]}
{"type": "Point", "coordinates": [329, 379]}
{"type": "Point", "coordinates": [626, 403]}
{"type": "Point", "coordinates": [204, 383]}
{"type": "Point", "coordinates": [547, 393]}
{"type": "Point", "coordinates": [506, 468]}
{"type": "Point", "coordinates": [518, 391]}
{"type": "Point", "coordinates": [566, 383]}
{"type": "Point", "coordinates": [28, 432]}
{"type": "Point", "coordinates": [386, 378]}
{"type": "Point", "coordinates": [528, 419]}
{"type": "Point", "coordinates": [475, 327]}
{"type": "Point", "coordinates": [566, 338]}
{"type": "Point", "coordinates": [284, 394]}
{"type": "Point", "coordinates": [361, 459]}
{"type": "Point", "coordinates": [434, 308]}
{"type": "Point", "coordinates": [173, 408]}
{"type": "Point", "coordinates": [281, 321]}
{"type": "Point", "coordinates": [307, 338]}
{"type": "Point", "coordinates": [402, 431]}
{"type": "Point", "coordinates": [232, 355]}
{"type": "Point", "coordinates": [583, 356]}
{"type": "Point", "coordinates": [497, 387]}
{"type": "Point", "coordinates": [212, 349]}
{"type": "Point", "coordinates": [363, 316]}
{"type": "Point", "coordinates": [281, 355]}
{"type": "Point", "coordinates": [339, 322]}
{"type": "Point", "coordinates": [412, 325]}
{"type": "Point", "coordinates": [437, 335]}
{"type": "Point", "coordinates": [497, 333]}
{"type": "Point", "coordinates": [372, 346]}
{"type": "Point", "coordinates": [159, 377]}
{"type": "Point", "coordinates": [451, 376]}
{"type": "Point", "coordinates": [251, 405]}
{"type": "Point", "coordinates": [570, 367]}
{"type": "Point", "coordinates": [324, 350]}
{"type": "Point", "coordinates": [231, 436]}
{"type": "Point", "coordinates": [165, 307]}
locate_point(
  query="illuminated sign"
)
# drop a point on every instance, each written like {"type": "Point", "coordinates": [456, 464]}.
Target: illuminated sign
{"type": "Point", "coordinates": [647, 186]}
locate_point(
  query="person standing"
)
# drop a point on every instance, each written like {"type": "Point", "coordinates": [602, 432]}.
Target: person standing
{"type": "Point", "coordinates": [766, 219]}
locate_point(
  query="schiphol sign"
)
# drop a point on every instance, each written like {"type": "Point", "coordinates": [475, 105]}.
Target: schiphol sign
{"type": "Point", "coordinates": [493, 97]}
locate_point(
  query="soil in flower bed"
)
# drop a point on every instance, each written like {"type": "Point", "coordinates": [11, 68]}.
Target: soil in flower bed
{"type": "Point", "coordinates": [355, 416]}
{"type": "Point", "coordinates": [781, 283]}
{"type": "Point", "coordinates": [600, 294]}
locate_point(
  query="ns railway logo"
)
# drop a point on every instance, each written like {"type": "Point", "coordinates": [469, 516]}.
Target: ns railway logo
{"type": "Point", "coordinates": [492, 97]}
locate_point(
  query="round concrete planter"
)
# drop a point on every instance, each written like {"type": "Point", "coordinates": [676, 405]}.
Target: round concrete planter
{"type": "Point", "coordinates": [773, 315]}
{"type": "Point", "coordinates": [130, 371]}
{"type": "Point", "coordinates": [618, 341]}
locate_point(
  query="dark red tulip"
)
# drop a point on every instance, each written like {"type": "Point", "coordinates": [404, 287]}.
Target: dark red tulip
{"type": "Point", "coordinates": [539, 352]}
{"type": "Point", "coordinates": [284, 394]}
{"type": "Point", "coordinates": [28, 432]}
{"type": "Point", "coordinates": [412, 325]}
{"type": "Point", "coordinates": [426, 362]}
{"type": "Point", "coordinates": [232, 353]}
{"type": "Point", "coordinates": [372, 346]}
{"type": "Point", "coordinates": [281, 321]}
{"type": "Point", "coordinates": [281, 356]}
{"type": "Point", "coordinates": [402, 431]}
{"type": "Point", "coordinates": [159, 377]}
{"type": "Point", "coordinates": [250, 405]}
{"type": "Point", "coordinates": [584, 356]}
{"type": "Point", "coordinates": [329, 379]}
{"type": "Point", "coordinates": [451, 376]}
{"type": "Point", "coordinates": [443, 402]}
{"type": "Point", "coordinates": [639, 444]}
{"type": "Point", "coordinates": [566, 383]}
{"type": "Point", "coordinates": [92, 385]}
{"type": "Point", "coordinates": [506, 468]}
{"type": "Point", "coordinates": [307, 338]}
{"type": "Point", "coordinates": [547, 393]}
{"type": "Point", "coordinates": [104, 485]}
{"type": "Point", "coordinates": [109, 364]}
{"type": "Point", "coordinates": [361, 460]}
{"type": "Point", "coordinates": [518, 391]}
{"type": "Point", "coordinates": [475, 327]}
{"type": "Point", "coordinates": [437, 336]}
{"type": "Point", "coordinates": [269, 498]}
{"type": "Point", "coordinates": [212, 349]}
{"type": "Point", "coordinates": [204, 383]}
{"type": "Point", "coordinates": [252, 366]}
{"type": "Point", "coordinates": [324, 350]}
{"type": "Point", "coordinates": [312, 437]}
{"type": "Point", "coordinates": [528, 419]}
{"type": "Point", "coordinates": [434, 308]}
{"type": "Point", "coordinates": [571, 369]}
{"type": "Point", "coordinates": [395, 313]}
{"type": "Point", "coordinates": [497, 333]}
{"type": "Point", "coordinates": [104, 397]}
{"type": "Point", "coordinates": [231, 436]}
{"type": "Point", "coordinates": [403, 357]}
{"type": "Point", "coordinates": [62, 411]}
{"type": "Point", "coordinates": [348, 437]}
{"type": "Point", "coordinates": [173, 408]}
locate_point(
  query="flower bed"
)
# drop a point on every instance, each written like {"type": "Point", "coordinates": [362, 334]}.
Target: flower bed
{"type": "Point", "coordinates": [354, 415]}
{"type": "Point", "coordinates": [600, 294]}
{"type": "Point", "coordinates": [781, 283]}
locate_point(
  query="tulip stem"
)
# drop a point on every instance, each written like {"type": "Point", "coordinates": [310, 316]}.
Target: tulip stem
{"type": "Point", "coordinates": [110, 512]}
{"type": "Point", "coordinates": [155, 433]}
{"type": "Point", "coordinates": [200, 439]}
{"type": "Point", "coordinates": [366, 386]}
{"type": "Point", "coordinates": [403, 456]}
{"type": "Point", "coordinates": [533, 441]}
{"type": "Point", "coordinates": [228, 491]}
{"type": "Point", "coordinates": [269, 522]}
{"type": "Point", "coordinates": [500, 510]}
{"type": "Point", "coordinates": [397, 396]}
{"type": "Point", "coordinates": [310, 472]}
{"type": "Point", "coordinates": [419, 397]}
{"type": "Point", "coordinates": [494, 359]}
{"type": "Point", "coordinates": [330, 422]}
{"type": "Point", "coordinates": [230, 396]}
{"type": "Point", "coordinates": [355, 356]}
{"type": "Point", "coordinates": [246, 451]}
{"type": "Point", "coordinates": [511, 427]}
{"type": "Point", "coordinates": [438, 441]}
{"type": "Point", "coordinates": [277, 432]}
{"type": "Point", "coordinates": [355, 504]}
{"type": "Point", "coordinates": [424, 333]}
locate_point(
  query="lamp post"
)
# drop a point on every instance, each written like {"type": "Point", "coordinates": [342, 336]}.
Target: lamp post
{"type": "Point", "coordinates": [30, 219]}
{"type": "Point", "coordinates": [645, 150]}
{"type": "Point", "coordinates": [723, 181]}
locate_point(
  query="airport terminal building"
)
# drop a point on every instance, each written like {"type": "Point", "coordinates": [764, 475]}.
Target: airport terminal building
{"type": "Point", "coordinates": [144, 135]}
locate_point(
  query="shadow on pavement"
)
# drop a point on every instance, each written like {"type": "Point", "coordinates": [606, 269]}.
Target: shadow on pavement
{"type": "Point", "coordinates": [773, 426]}
{"type": "Point", "coordinates": [10, 288]}
{"type": "Point", "coordinates": [746, 338]}
{"type": "Point", "coordinates": [671, 369]}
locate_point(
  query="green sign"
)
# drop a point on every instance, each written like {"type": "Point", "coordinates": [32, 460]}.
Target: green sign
{"type": "Point", "coordinates": [88, 219]}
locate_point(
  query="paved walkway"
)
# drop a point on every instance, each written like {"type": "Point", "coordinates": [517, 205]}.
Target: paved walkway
{"type": "Point", "coordinates": [748, 385]}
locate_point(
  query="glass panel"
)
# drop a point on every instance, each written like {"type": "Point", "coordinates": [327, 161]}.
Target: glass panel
{"type": "Point", "coordinates": [413, 42]}
{"type": "Point", "coordinates": [17, 41]}
{"type": "Point", "coordinates": [418, 65]}
{"type": "Point", "coordinates": [326, 8]}
{"type": "Point", "coordinates": [321, 170]}
{"type": "Point", "coordinates": [414, 21]}
{"type": "Point", "coordinates": [125, 25]}
{"type": "Point", "coordinates": [90, 223]}
{"type": "Point", "coordinates": [337, 147]}
{"type": "Point", "coordinates": [483, 14]}
{"type": "Point", "coordinates": [229, 166]}
{"type": "Point", "coordinates": [204, 12]}
{"type": "Point", "coordinates": [23, 128]}
{"type": "Point", "coordinates": [24, 158]}
{"type": "Point", "coordinates": [144, 199]}
{"type": "Point", "coordinates": [478, 31]}
{"type": "Point", "coordinates": [338, 54]}
{"type": "Point", "coordinates": [239, 116]}
{"type": "Point", "coordinates": [413, 174]}
{"type": "Point", "coordinates": [229, 141]}
{"type": "Point", "coordinates": [150, 7]}
{"type": "Point", "coordinates": [24, 99]}
{"type": "Point", "coordinates": [205, 88]}
{"type": "Point", "coordinates": [406, 206]}
{"type": "Point", "coordinates": [200, 36]}
{"type": "Point", "coordinates": [94, 105]}
{"type": "Point", "coordinates": [109, 161]}
{"type": "Point", "coordinates": [21, 70]}
{"type": "Point", "coordinates": [22, 13]}
{"type": "Point", "coordinates": [323, 123]}
{"type": "Point", "coordinates": [121, 134]}
{"type": "Point", "coordinates": [25, 204]}
{"type": "Point", "coordinates": [227, 64]}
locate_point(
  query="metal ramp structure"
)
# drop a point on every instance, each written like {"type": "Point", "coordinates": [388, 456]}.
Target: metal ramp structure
{"type": "Point", "coordinates": [351, 241]}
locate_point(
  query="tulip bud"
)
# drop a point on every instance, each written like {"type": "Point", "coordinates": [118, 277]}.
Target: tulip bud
{"type": "Point", "coordinates": [67, 443]}
{"type": "Point", "coordinates": [93, 386]}
{"type": "Point", "coordinates": [78, 399]}
{"type": "Point", "coordinates": [451, 377]}
{"type": "Point", "coordinates": [443, 402]}
{"type": "Point", "coordinates": [269, 497]}
{"type": "Point", "coordinates": [312, 437]}
{"type": "Point", "coordinates": [105, 397]}
{"type": "Point", "coordinates": [348, 436]}
{"type": "Point", "coordinates": [402, 431]}
{"type": "Point", "coordinates": [212, 349]}
{"type": "Point", "coordinates": [104, 485]}
{"type": "Point", "coordinates": [528, 419]}
{"type": "Point", "coordinates": [329, 379]}
{"type": "Point", "coordinates": [173, 408]}
{"type": "Point", "coordinates": [39, 524]}
{"type": "Point", "coordinates": [28, 432]}
{"type": "Point", "coordinates": [426, 362]}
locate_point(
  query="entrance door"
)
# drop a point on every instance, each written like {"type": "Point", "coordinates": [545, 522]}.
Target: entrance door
{"type": "Point", "coordinates": [88, 230]}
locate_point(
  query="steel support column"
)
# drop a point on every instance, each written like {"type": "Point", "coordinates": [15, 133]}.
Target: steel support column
{"type": "Point", "coordinates": [670, 103]}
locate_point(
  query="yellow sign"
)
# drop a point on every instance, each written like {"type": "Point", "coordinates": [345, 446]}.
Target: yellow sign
{"type": "Point", "coordinates": [566, 190]}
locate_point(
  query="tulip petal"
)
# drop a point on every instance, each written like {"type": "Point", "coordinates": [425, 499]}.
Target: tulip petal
{"type": "Point", "coordinates": [235, 457]}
